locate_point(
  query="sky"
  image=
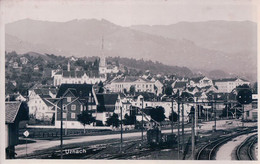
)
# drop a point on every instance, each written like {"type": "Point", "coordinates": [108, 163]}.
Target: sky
{"type": "Point", "coordinates": [131, 12]}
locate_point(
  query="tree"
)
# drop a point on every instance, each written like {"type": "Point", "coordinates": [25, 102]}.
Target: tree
{"type": "Point", "coordinates": [125, 91]}
{"type": "Point", "coordinates": [101, 89]}
{"type": "Point", "coordinates": [173, 117]}
{"type": "Point", "coordinates": [113, 120]}
{"type": "Point", "coordinates": [168, 90]}
{"type": "Point", "coordinates": [85, 118]}
{"type": "Point", "coordinates": [132, 89]}
{"type": "Point", "coordinates": [241, 87]}
{"type": "Point", "coordinates": [158, 114]}
{"type": "Point", "coordinates": [129, 120]}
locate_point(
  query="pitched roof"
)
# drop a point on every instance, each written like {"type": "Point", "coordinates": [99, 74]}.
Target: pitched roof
{"type": "Point", "coordinates": [44, 97]}
{"type": "Point", "coordinates": [198, 94]}
{"type": "Point", "coordinates": [45, 91]}
{"type": "Point", "coordinates": [229, 79]}
{"type": "Point", "coordinates": [79, 74]}
{"type": "Point", "coordinates": [12, 108]}
{"type": "Point", "coordinates": [107, 102]}
{"type": "Point", "coordinates": [79, 90]}
{"type": "Point", "coordinates": [147, 96]}
{"type": "Point", "coordinates": [130, 79]}
{"type": "Point", "coordinates": [197, 79]}
{"type": "Point", "coordinates": [180, 84]}
{"type": "Point", "coordinates": [107, 98]}
{"type": "Point", "coordinates": [11, 111]}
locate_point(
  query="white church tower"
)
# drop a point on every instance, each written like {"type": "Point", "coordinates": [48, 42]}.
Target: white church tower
{"type": "Point", "coordinates": [102, 63]}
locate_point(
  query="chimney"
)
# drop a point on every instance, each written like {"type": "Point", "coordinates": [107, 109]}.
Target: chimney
{"type": "Point", "coordinates": [68, 65]}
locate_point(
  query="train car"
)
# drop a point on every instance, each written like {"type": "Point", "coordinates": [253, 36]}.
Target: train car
{"type": "Point", "coordinates": [156, 138]}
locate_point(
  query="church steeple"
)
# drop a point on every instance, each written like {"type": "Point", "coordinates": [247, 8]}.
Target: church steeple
{"type": "Point", "coordinates": [102, 58]}
{"type": "Point", "coordinates": [68, 65]}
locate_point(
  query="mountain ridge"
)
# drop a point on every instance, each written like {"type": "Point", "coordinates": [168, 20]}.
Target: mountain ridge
{"type": "Point", "coordinates": [83, 38]}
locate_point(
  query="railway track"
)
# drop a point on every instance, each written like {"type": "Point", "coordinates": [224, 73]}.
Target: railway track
{"type": "Point", "coordinates": [208, 151]}
{"type": "Point", "coordinates": [244, 150]}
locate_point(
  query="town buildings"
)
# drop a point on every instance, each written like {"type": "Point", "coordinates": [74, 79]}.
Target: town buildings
{"type": "Point", "coordinates": [77, 77]}
{"type": "Point", "coordinates": [139, 84]}
{"type": "Point", "coordinates": [227, 85]}
{"type": "Point", "coordinates": [40, 103]}
{"type": "Point", "coordinates": [74, 98]}
{"type": "Point", "coordinates": [106, 106]}
{"type": "Point", "coordinates": [200, 82]}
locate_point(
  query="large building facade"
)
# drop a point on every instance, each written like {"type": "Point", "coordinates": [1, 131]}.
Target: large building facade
{"type": "Point", "coordinates": [227, 85]}
{"type": "Point", "coordinates": [140, 84]}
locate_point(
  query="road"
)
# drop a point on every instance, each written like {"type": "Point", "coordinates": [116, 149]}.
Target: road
{"type": "Point", "coordinates": [45, 144]}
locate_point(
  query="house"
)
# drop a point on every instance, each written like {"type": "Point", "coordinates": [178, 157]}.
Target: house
{"type": "Point", "coordinates": [140, 84]}
{"type": "Point", "coordinates": [106, 106]}
{"type": "Point", "coordinates": [24, 60]}
{"type": "Point", "coordinates": [179, 85]}
{"type": "Point", "coordinates": [159, 87]}
{"type": "Point", "coordinates": [112, 69]}
{"type": "Point", "coordinates": [228, 84]}
{"type": "Point", "coordinates": [40, 102]}
{"type": "Point", "coordinates": [74, 98]}
{"type": "Point", "coordinates": [15, 97]}
{"type": "Point", "coordinates": [201, 97]}
{"type": "Point", "coordinates": [77, 77]}
{"type": "Point", "coordinates": [125, 105]}
{"type": "Point", "coordinates": [15, 111]}
{"type": "Point", "coordinates": [40, 106]}
{"type": "Point", "coordinates": [72, 58]}
{"type": "Point", "coordinates": [209, 89]}
{"type": "Point", "coordinates": [15, 65]}
{"type": "Point", "coordinates": [251, 110]}
{"type": "Point", "coordinates": [141, 102]}
{"type": "Point", "coordinates": [192, 90]}
{"type": "Point", "coordinates": [200, 82]}
{"type": "Point", "coordinates": [36, 68]}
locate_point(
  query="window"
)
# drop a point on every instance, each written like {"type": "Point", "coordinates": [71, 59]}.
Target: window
{"type": "Point", "coordinates": [73, 107]}
{"type": "Point", "coordinates": [68, 99]}
{"type": "Point", "coordinates": [73, 115]}
{"type": "Point", "coordinates": [64, 107]}
{"type": "Point", "coordinates": [43, 108]}
{"type": "Point", "coordinates": [64, 115]}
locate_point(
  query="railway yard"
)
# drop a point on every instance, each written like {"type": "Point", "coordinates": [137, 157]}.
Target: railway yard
{"type": "Point", "coordinates": [239, 143]}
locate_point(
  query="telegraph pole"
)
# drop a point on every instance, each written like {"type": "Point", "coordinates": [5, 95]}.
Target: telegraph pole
{"type": "Point", "coordinates": [182, 127]}
{"type": "Point", "coordinates": [195, 114]}
{"type": "Point", "coordinates": [142, 120]}
{"type": "Point", "coordinates": [242, 115]}
{"type": "Point", "coordinates": [192, 134]}
{"type": "Point", "coordinates": [172, 116]}
{"type": "Point", "coordinates": [215, 114]}
{"type": "Point", "coordinates": [61, 126]}
{"type": "Point", "coordinates": [178, 126]}
{"type": "Point", "coordinates": [66, 130]}
{"type": "Point", "coordinates": [121, 130]}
